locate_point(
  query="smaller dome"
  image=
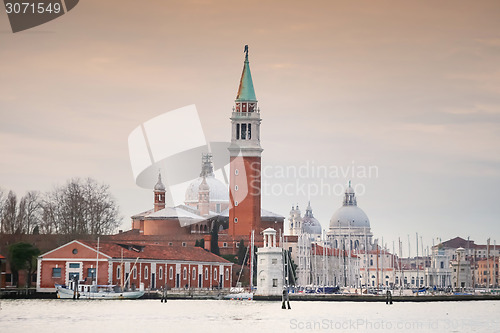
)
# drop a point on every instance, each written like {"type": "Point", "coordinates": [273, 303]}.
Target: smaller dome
{"type": "Point", "coordinates": [159, 185]}
{"type": "Point", "coordinates": [310, 224]}
{"type": "Point", "coordinates": [217, 189]}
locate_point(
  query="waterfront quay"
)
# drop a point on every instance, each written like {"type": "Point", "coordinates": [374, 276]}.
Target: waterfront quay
{"type": "Point", "coordinates": [181, 294]}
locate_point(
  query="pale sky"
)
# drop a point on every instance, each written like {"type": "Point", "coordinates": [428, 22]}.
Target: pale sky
{"type": "Point", "coordinates": [411, 87]}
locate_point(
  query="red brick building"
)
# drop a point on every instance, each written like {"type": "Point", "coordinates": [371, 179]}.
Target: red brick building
{"type": "Point", "coordinates": [131, 265]}
{"type": "Point", "coordinates": [3, 269]}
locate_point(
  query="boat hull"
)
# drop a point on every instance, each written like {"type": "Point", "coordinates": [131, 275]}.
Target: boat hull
{"type": "Point", "coordinates": [66, 293]}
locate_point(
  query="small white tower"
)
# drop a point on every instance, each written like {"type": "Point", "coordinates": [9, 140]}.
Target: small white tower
{"type": "Point", "coordinates": [294, 221]}
{"type": "Point", "coordinates": [269, 266]}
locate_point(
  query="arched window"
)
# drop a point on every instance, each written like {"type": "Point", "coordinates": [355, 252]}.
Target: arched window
{"type": "Point", "coordinates": [227, 273]}
{"type": "Point", "coordinates": [146, 272]}
{"type": "Point", "coordinates": [215, 273]}
{"type": "Point", "coordinates": [118, 271]}
{"type": "Point", "coordinates": [194, 273]}
{"type": "Point", "coordinates": [160, 273]}
{"type": "Point", "coordinates": [171, 273]}
{"type": "Point", "coordinates": [206, 273]}
{"type": "Point", "coordinates": [184, 273]}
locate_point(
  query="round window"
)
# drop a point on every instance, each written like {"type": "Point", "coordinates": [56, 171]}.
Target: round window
{"type": "Point", "coordinates": [75, 251]}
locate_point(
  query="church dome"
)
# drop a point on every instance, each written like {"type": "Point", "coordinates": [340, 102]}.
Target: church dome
{"type": "Point", "coordinates": [349, 215]}
{"type": "Point", "coordinates": [310, 224]}
{"type": "Point", "coordinates": [218, 190]}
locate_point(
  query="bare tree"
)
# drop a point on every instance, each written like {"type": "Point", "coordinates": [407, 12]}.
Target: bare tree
{"type": "Point", "coordinates": [2, 203]}
{"type": "Point", "coordinates": [30, 209]}
{"type": "Point", "coordinates": [48, 223]}
{"type": "Point", "coordinates": [9, 216]}
{"type": "Point", "coordinates": [22, 217]}
{"type": "Point", "coordinates": [80, 207]}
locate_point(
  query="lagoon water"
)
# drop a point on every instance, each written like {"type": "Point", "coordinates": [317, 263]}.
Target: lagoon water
{"type": "Point", "coordinates": [245, 316]}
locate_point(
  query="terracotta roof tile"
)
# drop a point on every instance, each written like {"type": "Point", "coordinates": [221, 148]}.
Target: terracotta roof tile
{"type": "Point", "coordinates": [153, 251]}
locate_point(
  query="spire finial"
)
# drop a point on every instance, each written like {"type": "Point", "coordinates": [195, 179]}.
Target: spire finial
{"type": "Point", "coordinates": [349, 183]}
{"type": "Point", "coordinates": [159, 185]}
{"type": "Point", "coordinates": [206, 165]}
{"type": "Point", "coordinates": [246, 92]}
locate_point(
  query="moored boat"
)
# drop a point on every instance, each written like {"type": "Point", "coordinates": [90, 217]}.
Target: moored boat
{"type": "Point", "coordinates": [95, 292]}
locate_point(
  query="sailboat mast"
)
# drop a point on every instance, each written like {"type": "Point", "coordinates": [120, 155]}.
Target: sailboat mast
{"type": "Point", "coordinates": [409, 260]}
{"type": "Point", "coordinates": [423, 258]}
{"type": "Point", "coordinates": [251, 260]}
{"type": "Point", "coordinates": [494, 262]}
{"type": "Point", "coordinates": [325, 258]}
{"type": "Point", "coordinates": [382, 258]}
{"type": "Point", "coordinates": [416, 263]}
{"type": "Point", "coordinates": [367, 270]}
{"type": "Point", "coordinates": [488, 263]}
{"type": "Point", "coordinates": [400, 263]}
{"type": "Point", "coordinates": [122, 271]}
{"type": "Point", "coordinates": [97, 264]}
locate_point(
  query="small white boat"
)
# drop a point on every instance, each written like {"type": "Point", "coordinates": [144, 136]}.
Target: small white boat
{"type": "Point", "coordinates": [96, 292]}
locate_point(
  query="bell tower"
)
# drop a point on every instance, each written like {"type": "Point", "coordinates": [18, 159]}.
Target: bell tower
{"type": "Point", "coordinates": [245, 159]}
{"type": "Point", "coordinates": [159, 192]}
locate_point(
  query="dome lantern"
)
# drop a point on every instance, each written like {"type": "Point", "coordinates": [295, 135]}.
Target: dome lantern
{"type": "Point", "coordinates": [349, 215]}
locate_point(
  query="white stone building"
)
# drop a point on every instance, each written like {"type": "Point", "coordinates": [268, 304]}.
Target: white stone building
{"type": "Point", "coordinates": [378, 268]}
{"type": "Point", "coordinates": [270, 270]}
{"type": "Point", "coordinates": [461, 275]}
{"type": "Point", "coordinates": [333, 267]}
{"type": "Point", "coordinates": [439, 273]}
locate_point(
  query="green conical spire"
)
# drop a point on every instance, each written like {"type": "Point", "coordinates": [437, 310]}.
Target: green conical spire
{"type": "Point", "coordinates": [246, 91]}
